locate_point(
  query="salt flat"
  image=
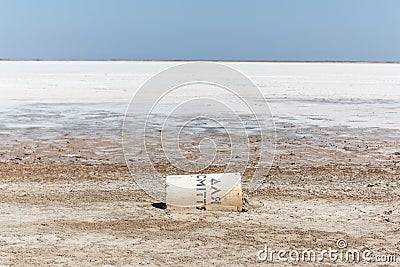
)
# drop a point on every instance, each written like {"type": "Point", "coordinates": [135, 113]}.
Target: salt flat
{"type": "Point", "coordinates": [67, 197]}
{"type": "Point", "coordinates": [326, 94]}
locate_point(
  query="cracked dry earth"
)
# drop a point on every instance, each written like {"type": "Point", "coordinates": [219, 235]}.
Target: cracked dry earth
{"type": "Point", "coordinates": [72, 201]}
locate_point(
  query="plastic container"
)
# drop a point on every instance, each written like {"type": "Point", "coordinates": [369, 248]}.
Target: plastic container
{"type": "Point", "coordinates": [218, 191]}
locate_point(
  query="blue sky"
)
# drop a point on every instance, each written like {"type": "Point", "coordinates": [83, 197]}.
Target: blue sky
{"type": "Point", "coordinates": [208, 29]}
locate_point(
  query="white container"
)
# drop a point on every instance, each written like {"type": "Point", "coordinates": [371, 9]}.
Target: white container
{"type": "Point", "coordinates": [218, 191]}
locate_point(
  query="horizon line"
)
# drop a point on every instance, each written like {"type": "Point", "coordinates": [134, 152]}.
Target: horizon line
{"type": "Point", "coordinates": [210, 60]}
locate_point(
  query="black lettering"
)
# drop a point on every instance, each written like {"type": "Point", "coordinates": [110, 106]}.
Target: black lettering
{"type": "Point", "coordinates": [216, 190]}
{"type": "Point", "coordinates": [201, 182]}
{"type": "Point", "coordinates": [214, 181]}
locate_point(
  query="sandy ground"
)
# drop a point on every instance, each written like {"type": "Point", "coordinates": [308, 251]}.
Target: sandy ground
{"type": "Point", "coordinates": [68, 199]}
{"type": "Point", "coordinates": [64, 204]}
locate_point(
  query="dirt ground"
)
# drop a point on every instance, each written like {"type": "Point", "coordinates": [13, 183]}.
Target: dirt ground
{"type": "Point", "coordinates": [62, 203]}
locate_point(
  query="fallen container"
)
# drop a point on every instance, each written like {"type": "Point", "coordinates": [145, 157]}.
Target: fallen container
{"type": "Point", "coordinates": [218, 191]}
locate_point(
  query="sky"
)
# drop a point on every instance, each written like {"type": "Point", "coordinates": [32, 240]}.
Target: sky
{"type": "Point", "coordinates": [344, 30]}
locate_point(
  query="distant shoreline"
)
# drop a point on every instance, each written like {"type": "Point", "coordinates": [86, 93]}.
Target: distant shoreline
{"type": "Point", "coordinates": [207, 60]}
